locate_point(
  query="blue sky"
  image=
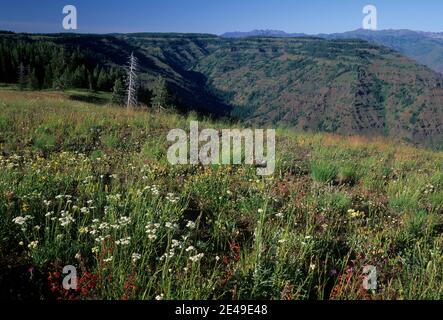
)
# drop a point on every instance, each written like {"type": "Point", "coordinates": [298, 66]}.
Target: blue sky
{"type": "Point", "coordinates": [218, 16]}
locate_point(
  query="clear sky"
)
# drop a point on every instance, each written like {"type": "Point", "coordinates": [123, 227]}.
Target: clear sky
{"type": "Point", "coordinates": [219, 16]}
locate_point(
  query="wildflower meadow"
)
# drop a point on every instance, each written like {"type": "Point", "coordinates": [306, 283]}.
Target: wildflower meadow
{"type": "Point", "coordinates": [90, 186]}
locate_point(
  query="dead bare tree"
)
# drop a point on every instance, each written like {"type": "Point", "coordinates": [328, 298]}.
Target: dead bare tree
{"type": "Point", "coordinates": [131, 82]}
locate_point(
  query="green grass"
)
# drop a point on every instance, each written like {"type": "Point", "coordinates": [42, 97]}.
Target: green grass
{"type": "Point", "coordinates": [93, 189]}
{"type": "Point", "coordinates": [324, 171]}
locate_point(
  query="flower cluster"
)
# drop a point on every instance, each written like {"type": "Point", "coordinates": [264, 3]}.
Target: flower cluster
{"type": "Point", "coordinates": [190, 225]}
{"type": "Point", "coordinates": [171, 225]}
{"type": "Point", "coordinates": [355, 214]}
{"type": "Point", "coordinates": [33, 244]}
{"type": "Point", "coordinates": [151, 230]}
{"type": "Point", "coordinates": [197, 257]}
{"type": "Point", "coordinates": [153, 189]}
{"type": "Point", "coordinates": [21, 221]}
{"type": "Point", "coordinates": [429, 189]}
{"type": "Point", "coordinates": [175, 244]}
{"type": "Point", "coordinates": [135, 257]}
{"type": "Point", "coordinates": [66, 218]}
{"type": "Point", "coordinates": [123, 242]}
{"type": "Point", "coordinates": [172, 198]}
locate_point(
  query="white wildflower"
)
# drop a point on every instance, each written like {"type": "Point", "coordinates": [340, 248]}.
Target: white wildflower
{"type": "Point", "coordinates": [197, 257]}
{"type": "Point", "coordinates": [175, 243]}
{"type": "Point", "coordinates": [33, 244]}
{"type": "Point", "coordinates": [123, 241]}
{"type": "Point", "coordinates": [66, 219]}
{"type": "Point", "coordinates": [152, 237]}
{"type": "Point", "coordinates": [135, 257]}
{"type": "Point", "coordinates": [104, 226]}
{"type": "Point", "coordinates": [22, 220]}
{"type": "Point", "coordinates": [159, 297]}
{"type": "Point", "coordinates": [84, 210]}
{"type": "Point", "coordinates": [124, 221]}
{"type": "Point", "coordinates": [190, 225]}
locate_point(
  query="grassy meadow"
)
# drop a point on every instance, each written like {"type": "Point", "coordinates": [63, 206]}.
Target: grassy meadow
{"type": "Point", "coordinates": [87, 184]}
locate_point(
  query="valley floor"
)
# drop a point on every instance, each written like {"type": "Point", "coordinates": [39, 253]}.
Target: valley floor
{"type": "Point", "coordinates": [89, 185]}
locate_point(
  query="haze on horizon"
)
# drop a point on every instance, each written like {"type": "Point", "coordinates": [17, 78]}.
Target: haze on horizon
{"type": "Point", "coordinates": [217, 17]}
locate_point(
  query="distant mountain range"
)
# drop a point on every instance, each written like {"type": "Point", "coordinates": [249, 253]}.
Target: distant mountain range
{"type": "Point", "coordinates": [424, 47]}
{"type": "Point", "coordinates": [261, 33]}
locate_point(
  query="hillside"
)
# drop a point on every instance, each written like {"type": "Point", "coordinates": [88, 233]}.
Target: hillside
{"type": "Point", "coordinates": [424, 47]}
{"type": "Point", "coordinates": [311, 84]}
{"type": "Point", "coordinates": [165, 55]}
{"type": "Point", "coordinates": [348, 87]}
{"type": "Point", "coordinates": [89, 185]}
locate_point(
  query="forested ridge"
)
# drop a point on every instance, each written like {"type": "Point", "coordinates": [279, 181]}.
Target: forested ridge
{"type": "Point", "coordinates": [42, 65]}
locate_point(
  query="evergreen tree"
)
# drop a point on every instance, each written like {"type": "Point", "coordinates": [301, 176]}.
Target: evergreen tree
{"type": "Point", "coordinates": [28, 76]}
{"type": "Point", "coordinates": [3, 69]}
{"type": "Point", "coordinates": [33, 82]}
{"type": "Point", "coordinates": [103, 80]}
{"type": "Point", "coordinates": [63, 82]}
{"type": "Point", "coordinates": [21, 76]}
{"type": "Point", "coordinates": [95, 75]}
{"type": "Point", "coordinates": [90, 81]}
{"type": "Point", "coordinates": [48, 77]}
{"type": "Point", "coordinates": [161, 97]}
{"type": "Point", "coordinates": [118, 93]}
{"type": "Point", "coordinates": [77, 78]}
